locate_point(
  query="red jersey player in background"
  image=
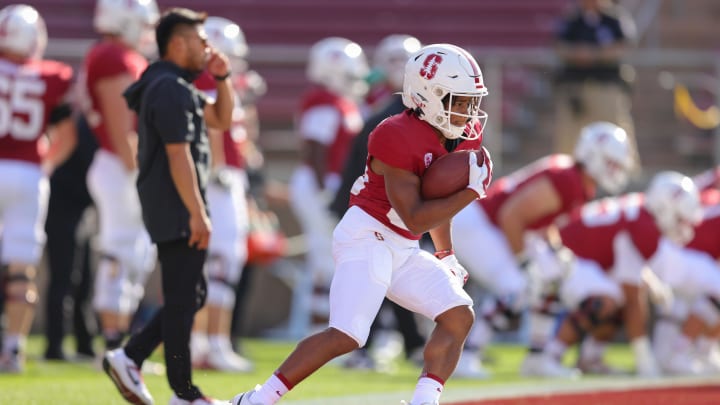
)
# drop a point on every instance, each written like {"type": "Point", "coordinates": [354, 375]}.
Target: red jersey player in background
{"type": "Point", "coordinates": [686, 334]}
{"type": "Point", "coordinates": [227, 251]}
{"type": "Point", "coordinates": [33, 100]}
{"type": "Point", "coordinates": [126, 254]}
{"type": "Point", "coordinates": [328, 120]}
{"type": "Point", "coordinates": [610, 242]}
{"type": "Point", "coordinates": [490, 235]}
{"type": "Point", "coordinates": [375, 245]}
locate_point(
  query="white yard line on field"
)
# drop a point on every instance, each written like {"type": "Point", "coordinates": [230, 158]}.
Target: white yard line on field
{"type": "Point", "coordinates": [511, 390]}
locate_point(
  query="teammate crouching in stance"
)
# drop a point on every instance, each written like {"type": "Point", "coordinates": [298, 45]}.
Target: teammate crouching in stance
{"type": "Point", "coordinates": [375, 245]}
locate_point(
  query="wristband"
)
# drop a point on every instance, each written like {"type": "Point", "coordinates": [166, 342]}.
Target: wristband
{"type": "Point", "coordinates": [221, 78]}
{"type": "Point", "coordinates": [440, 254]}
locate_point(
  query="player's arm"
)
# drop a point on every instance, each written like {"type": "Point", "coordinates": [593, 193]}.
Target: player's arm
{"type": "Point", "coordinates": [182, 170]}
{"type": "Point", "coordinates": [441, 237]}
{"type": "Point", "coordinates": [218, 115]}
{"type": "Point", "coordinates": [217, 150]}
{"type": "Point", "coordinates": [314, 154]}
{"type": "Point", "coordinates": [119, 119]}
{"type": "Point", "coordinates": [403, 191]}
{"type": "Point", "coordinates": [62, 136]}
{"type": "Point", "coordinates": [534, 201]}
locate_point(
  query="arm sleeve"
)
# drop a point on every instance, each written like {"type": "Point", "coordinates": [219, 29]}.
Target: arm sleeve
{"type": "Point", "coordinates": [320, 124]}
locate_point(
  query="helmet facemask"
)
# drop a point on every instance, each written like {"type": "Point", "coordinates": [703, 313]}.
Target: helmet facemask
{"type": "Point", "coordinates": [473, 120]}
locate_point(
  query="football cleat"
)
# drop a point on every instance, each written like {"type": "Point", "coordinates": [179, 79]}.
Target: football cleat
{"type": "Point", "coordinates": [598, 366]}
{"type": "Point", "coordinates": [127, 377]}
{"type": "Point", "coordinates": [542, 365]}
{"type": "Point", "coordinates": [200, 401]}
{"type": "Point", "coordinates": [245, 398]}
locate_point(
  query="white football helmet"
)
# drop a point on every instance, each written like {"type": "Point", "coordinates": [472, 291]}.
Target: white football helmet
{"type": "Point", "coordinates": [340, 65]}
{"type": "Point", "coordinates": [22, 31]}
{"type": "Point", "coordinates": [132, 20]}
{"type": "Point", "coordinates": [674, 201]}
{"type": "Point", "coordinates": [605, 152]}
{"type": "Point", "coordinates": [392, 54]}
{"type": "Point", "coordinates": [442, 70]}
{"type": "Point", "coordinates": [227, 37]}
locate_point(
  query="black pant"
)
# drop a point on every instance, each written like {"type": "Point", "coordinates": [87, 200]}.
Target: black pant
{"type": "Point", "coordinates": [69, 273]}
{"type": "Point", "coordinates": [184, 291]}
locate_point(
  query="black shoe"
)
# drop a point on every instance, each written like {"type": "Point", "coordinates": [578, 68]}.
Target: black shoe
{"type": "Point", "coordinates": [55, 355]}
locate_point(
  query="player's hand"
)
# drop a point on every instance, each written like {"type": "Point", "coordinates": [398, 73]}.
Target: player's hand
{"type": "Point", "coordinates": [218, 63]}
{"type": "Point", "coordinates": [456, 268]}
{"type": "Point", "coordinates": [200, 229]}
{"type": "Point", "coordinates": [479, 177]}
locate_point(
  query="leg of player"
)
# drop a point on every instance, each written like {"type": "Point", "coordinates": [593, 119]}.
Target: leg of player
{"type": "Point", "coordinates": [635, 315]}
{"type": "Point", "coordinates": [20, 298]}
{"type": "Point", "coordinates": [442, 353]}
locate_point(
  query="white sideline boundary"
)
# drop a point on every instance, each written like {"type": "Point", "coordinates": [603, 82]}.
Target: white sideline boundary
{"type": "Point", "coordinates": [521, 389]}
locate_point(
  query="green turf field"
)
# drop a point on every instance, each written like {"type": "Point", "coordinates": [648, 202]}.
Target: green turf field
{"type": "Point", "coordinates": [81, 383]}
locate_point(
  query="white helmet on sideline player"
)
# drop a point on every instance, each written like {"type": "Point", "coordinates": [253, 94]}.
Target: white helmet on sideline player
{"type": "Point", "coordinates": [604, 151]}
{"type": "Point", "coordinates": [228, 38]}
{"type": "Point", "coordinates": [22, 31]}
{"type": "Point", "coordinates": [442, 70]}
{"type": "Point", "coordinates": [131, 20]}
{"type": "Point", "coordinates": [674, 201]}
{"type": "Point", "coordinates": [392, 54]}
{"type": "Point", "coordinates": [340, 65]}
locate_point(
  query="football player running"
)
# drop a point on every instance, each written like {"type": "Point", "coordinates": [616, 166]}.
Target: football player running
{"type": "Point", "coordinates": [33, 100]}
{"type": "Point", "coordinates": [490, 235]}
{"type": "Point", "coordinates": [375, 245]}
{"type": "Point", "coordinates": [609, 244]}
{"type": "Point", "coordinates": [126, 254]}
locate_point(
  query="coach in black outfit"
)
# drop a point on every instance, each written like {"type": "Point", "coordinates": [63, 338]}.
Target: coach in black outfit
{"type": "Point", "coordinates": [174, 166]}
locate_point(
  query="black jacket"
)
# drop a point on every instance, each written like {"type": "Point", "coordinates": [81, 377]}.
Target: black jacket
{"type": "Point", "coordinates": [170, 110]}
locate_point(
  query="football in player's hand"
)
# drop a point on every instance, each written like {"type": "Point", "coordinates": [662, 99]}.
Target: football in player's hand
{"type": "Point", "coordinates": [448, 174]}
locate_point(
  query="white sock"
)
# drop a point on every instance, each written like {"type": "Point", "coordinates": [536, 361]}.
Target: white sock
{"type": "Point", "coordinates": [13, 342]}
{"type": "Point", "coordinates": [270, 392]}
{"type": "Point", "coordinates": [427, 391]}
{"type": "Point", "coordinates": [555, 349]}
{"type": "Point", "coordinates": [540, 329]}
{"type": "Point", "coordinates": [592, 349]}
{"type": "Point", "coordinates": [219, 342]}
{"type": "Point", "coordinates": [198, 346]}
{"type": "Point", "coordinates": [704, 345]}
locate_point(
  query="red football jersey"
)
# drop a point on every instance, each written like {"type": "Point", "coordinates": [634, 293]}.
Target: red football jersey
{"type": "Point", "coordinates": [592, 229]}
{"type": "Point", "coordinates": [350, 124]}
{"type": "Point", "coordinates": [28, 95]}
{"type": "Point", "coordinates": [105, 60]}
{"type": "Point", "coordinates": [709, 179]}
{"type": "Point", "coordinates": [406, 142]}
{"type": "Point", "coordinates": [561, 170]}
{"type": "Point", "coordinates": [707, 232]}
{"type": "Point", "coordinates": [236, 136]}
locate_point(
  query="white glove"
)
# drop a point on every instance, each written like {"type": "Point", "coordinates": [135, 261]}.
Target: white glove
{"type": "Point", "coordinates": [479, 177]}
{"type": "Point", "coordinates": [457, 270]}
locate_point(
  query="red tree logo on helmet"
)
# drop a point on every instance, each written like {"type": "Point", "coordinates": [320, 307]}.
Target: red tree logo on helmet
{"type": "Point", "coordinates": [430, 66]}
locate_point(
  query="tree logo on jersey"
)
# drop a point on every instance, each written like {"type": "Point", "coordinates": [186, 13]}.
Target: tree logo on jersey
{"type": "Point", "coordinates": [430, 66]}
{"type": "Point", "coordinates": [428, 158]}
